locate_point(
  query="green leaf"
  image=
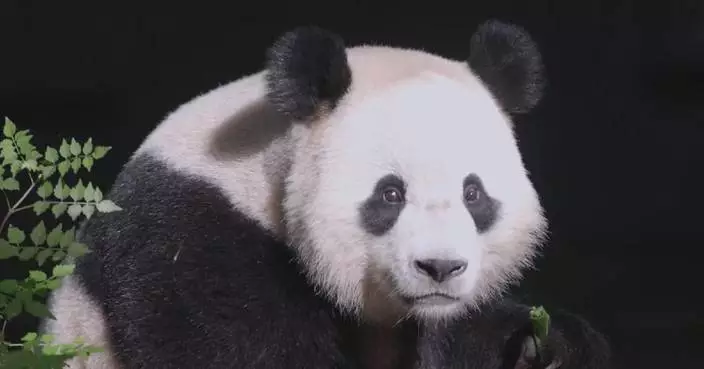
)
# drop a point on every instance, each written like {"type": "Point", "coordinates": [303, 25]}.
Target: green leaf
{"type": "Point", "coordinates": [24, 145]}
{"type": "Point", "coordinates": [48, 170]}
{"type": "Point", "coordinates": [88, 210]}
{"type": "Point", "coordinates": [29, 337]}
{"type": "Point", "coordinates": [63, 167]}
{"type": "Point", "coordinates": [9, 128]}
{"type": "Point", "coordinates": [27, 252]}
{"type": "Point", "coordinates": [77, 249]}
{"type": "Point", "coordinates": [53, 284]}
{"type": "Point", "coordinates": [11, 184]}
{"type": "Point", "coordinates": [67, 238]}
{"type": "Point", "coordinates": [74, 211]}
{"type": "Point", "coordinates": [8, 286]}
{"type": "Point", "coordinates": [37, 309]}
{"type": "Point", "coordinates": [15, 235]}
{"type": "Point", "coordinates": [40, 207]}
{"type": "Point", "coordinates": [76, 164]}
{"type": "Point", "coordinates": [54, 237]}
{"type": "Point", "coordinates": [6, 250]}
{"type": "Point", "coordinates": [43, 255]}
{"type": "Point", "coordinates": [98, 195]}
{"type": "Point", "coordinates": [107, 206]}
{"type": "Point", "coordinates": [58, 190]}
{"type": "Point", "coordinates": [88, 163]}
{"type": "Point", "coordinates": [541, 322]}
{"type": "Point", "coordinates": [89, 193]}
{"type": "Point", "coordinates": [14, 308]}
{"type": "Point", "coordinates": [58, 209]}
{"type": "Point", "coordinates": [30, 164]}
{"type": "Point", "coordinates": [15, 167]}
{"type": "Point", "coordinates": [38, 235]}
{"type": "Point", "coordinates": [37, 275]}
{"type": "Point", "coordinates": [100, 151]}
{"type": "Point", "coordinates": [6, 144]}
{"type": "Point", "coordinates": [51, 154]}
{"type": "Point", "coordinates": [75, 147]}
{"type": "Point", "coordinates": [45, 190]}
{"type": "Point", "coordinates": [46, 338]}
{"type": "Point", "coordinates": [88, 146]}
{"type": "Point", "coordinates": [77, 191]}
{"type": "Point", "coordinates": [63, 270]}
{"type": "Point", "coordinates": [65, 149]}
{"type": "Point", "coordinates": [58, 256]}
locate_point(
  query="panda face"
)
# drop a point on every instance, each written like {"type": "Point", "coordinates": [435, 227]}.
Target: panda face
{"type": "Point", "coordinates": [407, 194]}
{"type": "Point", "coordinates": [420, 192]}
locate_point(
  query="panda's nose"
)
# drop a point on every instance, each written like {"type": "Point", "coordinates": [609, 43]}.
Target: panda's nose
{"type": "Point", "coordinates": [441, 270]}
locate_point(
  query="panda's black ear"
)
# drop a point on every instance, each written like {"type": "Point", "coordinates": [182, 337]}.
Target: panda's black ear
{"type": "Point", "coordinates": [306, 71]}
{"type": "Point", "coordinates": [508, 61]}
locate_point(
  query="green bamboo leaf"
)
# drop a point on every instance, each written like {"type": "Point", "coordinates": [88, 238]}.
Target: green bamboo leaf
{"type": "Point", "coordinates": [43, 256]}
{"type": "Point", "coordinates": [11, 184]}
{"type": "Point", "coordinates": [8, 286]}
{"type": "Point", "coordinates": [77, 249]}
{"type": "Point", "coordinates": [7, 250]}
{"type": "Point", "coordinates": [65, 149]}
{"type": "Point", "coordinates": [88, 146]}
{"type": "Point", "coordinates": [107, 206]}
{"type": "Point", "coordinates": [40, 207]}
{"type": "Point", "coordinates": [76, 164]}
{"type": "Point", "coordinates": [51, 155]}
{"type": "Point", "coordinates": [59, 209]}
{"type": "Point", "coordinates": [9, 128]}
{"type": "Point", "coordinates": [15, 235]}
{"type": "Point", "coordinates": [63, 167]}
{"type": "Point", "coordinates": [88, 163]}
{"type": "Point", "coordinates": [54, 237]}
{"type": "Point", "coordinates": [74, 211]}
{"type": "Point", "coordinates": [13, 309]}
{"type": "Point", "coordinates": [100, 151]}
{"type": "Point", "coordinates": [75, 147]}
{"type": "Point", "coordinates": [37, 275]}
{"type": "Point", "coordinates": [67, 238]}
{"type": "Point", "coordinates": [45, 190]}
{"type": "Point", "coordinates": [63, 270]}
{"type": "Point", "coordinates": [38, 234]}
{"type": "Point", "coordinates": [27, 252]}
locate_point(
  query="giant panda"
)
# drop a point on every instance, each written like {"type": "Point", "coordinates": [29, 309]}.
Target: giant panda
{"type": "Point", "coordinates": [316, 214]}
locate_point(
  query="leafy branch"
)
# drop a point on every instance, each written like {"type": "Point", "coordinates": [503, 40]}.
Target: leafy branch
{"type": "Point", "coordinates": [50, 190]}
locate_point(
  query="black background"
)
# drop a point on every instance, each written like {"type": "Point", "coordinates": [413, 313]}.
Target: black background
{"type": "Point", "coordinates": [614, 149]}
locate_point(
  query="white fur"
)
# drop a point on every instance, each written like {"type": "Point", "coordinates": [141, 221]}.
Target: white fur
{"type": "Point", "coordinates": [421, 116]}
{"type": "Point", "coordinates": [77, 316]}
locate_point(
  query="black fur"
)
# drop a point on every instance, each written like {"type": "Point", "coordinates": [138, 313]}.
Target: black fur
{"type": "Point", "coordinates": [186, 282]}
{"type": "Point", "coordinates": [376, 215]}
{"type": "Point", "coordinates": [307, 70]}
{"type": "Point", "coordinates": [493, 340]}
{"type": "Point", "coordinates": [507, 60]}
{"type": "Point", "coordinates": [485, 211]}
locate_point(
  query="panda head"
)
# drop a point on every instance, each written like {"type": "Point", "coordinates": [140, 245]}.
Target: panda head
{"type": "Point", "coordinates": [407, 194]}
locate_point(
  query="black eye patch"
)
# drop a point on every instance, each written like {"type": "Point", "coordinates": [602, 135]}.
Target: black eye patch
{"type": "Point", "coordinates": [483, 208]}
{"type": "Point", "coordinates": [381, 210]}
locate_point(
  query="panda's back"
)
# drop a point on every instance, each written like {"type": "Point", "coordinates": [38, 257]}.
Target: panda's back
{"type": "Point", "coordinates": [194, 250]}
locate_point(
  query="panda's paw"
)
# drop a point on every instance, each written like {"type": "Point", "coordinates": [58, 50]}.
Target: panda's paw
{"type": "Point", "coordinates": [533, 355]}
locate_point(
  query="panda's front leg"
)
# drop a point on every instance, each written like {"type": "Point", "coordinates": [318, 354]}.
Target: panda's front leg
{"type": "Point", "coordinates": [571, 343]}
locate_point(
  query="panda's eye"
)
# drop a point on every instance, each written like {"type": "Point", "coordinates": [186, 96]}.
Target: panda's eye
{"type": "Point", "coordinates": [472, 193]}
{"type": "Point", "coordinates": [392, 195]}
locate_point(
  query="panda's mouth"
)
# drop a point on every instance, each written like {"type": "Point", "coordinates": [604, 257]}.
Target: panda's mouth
{"type": "Point", "coordinates": [431, 299]}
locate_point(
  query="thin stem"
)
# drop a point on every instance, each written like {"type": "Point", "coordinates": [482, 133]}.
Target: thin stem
{"type": "Point", "coordinates": [14, 207]}
{"type": "Point", "coordinates": [7, 199]}
{"type": "Point", "coordinates": [54, 202]}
